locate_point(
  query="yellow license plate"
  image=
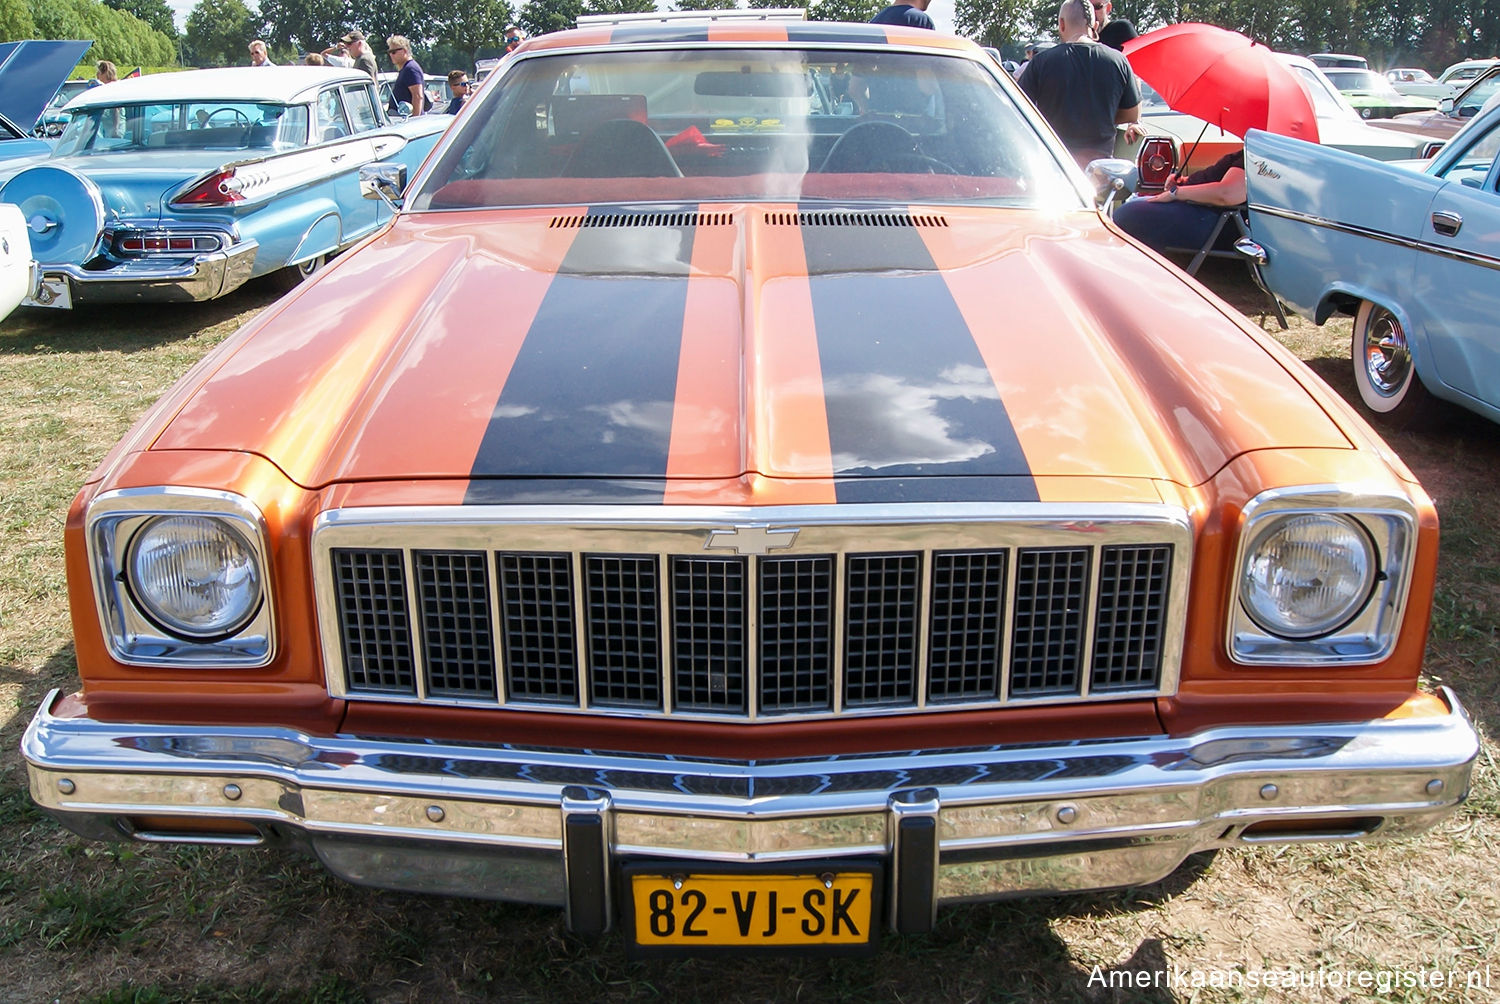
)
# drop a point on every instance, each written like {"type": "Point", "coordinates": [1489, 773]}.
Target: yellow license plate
{"type": "Point", "coordinates": [832, 908]}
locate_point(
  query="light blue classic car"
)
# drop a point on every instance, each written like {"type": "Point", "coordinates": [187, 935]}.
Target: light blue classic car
{"type": "Point", "coordinates": [1412, 252]}
{"type": "Point", "coordinates": [182, 186]}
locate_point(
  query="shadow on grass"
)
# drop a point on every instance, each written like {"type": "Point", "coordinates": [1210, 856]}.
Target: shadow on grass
{"type": "Point", "coordinates": [127, 327]}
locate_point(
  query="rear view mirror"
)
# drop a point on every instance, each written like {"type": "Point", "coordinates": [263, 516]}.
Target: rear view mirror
{"type": "Point", "coordinates": [751, 85]}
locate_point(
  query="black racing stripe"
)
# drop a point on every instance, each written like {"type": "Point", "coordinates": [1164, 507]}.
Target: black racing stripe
{"type": "Point", "coordinates": [907, 393]}
{"type": "Point", "coordinates": [834, 31]}
{"type": "Point", "coordinates": [939, 489]}
{"type": "Point", "coordinates": [657, 33]}
{"type": "Point", "coordinates": [592, 389]}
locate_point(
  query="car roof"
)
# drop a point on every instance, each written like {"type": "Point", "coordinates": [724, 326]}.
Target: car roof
{"type": "Point", "coordinates": [787, 33]}
{"type": "Point", "coordinates": [268, 84]}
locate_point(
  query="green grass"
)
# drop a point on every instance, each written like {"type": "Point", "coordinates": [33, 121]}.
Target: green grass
{"type": "Point", "coordinates": [157, 924]}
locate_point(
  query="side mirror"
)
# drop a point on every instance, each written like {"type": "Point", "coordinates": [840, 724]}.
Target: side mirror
{"type": "Point", "coordinates": [385, 181]}
{"type": "Point", "coordinates": [1446, 106]}
{"type": "Point", "coordinates": [1113, 179]}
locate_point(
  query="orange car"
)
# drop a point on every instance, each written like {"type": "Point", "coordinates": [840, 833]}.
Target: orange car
{"type": "Point", "coordinates": [749, 497]}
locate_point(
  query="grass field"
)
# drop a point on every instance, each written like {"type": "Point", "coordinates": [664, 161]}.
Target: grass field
{"type": "Point", "coordinates": [93, 922]}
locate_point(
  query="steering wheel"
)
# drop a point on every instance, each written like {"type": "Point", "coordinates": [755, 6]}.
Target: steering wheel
{"type": "Point", "coordinates": [240, 118]}
{"type": "Point", "coordinates": [931, 165]}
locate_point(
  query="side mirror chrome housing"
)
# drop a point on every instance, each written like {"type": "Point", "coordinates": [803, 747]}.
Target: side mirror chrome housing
{"type": "Point", "coordinates": [1251, 250]}
{"type": "Point", "coordinates": [1113, 179]}
{"type": "Point", "coordinates": [386, 181]}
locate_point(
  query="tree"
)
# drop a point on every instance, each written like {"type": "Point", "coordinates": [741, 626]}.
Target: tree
{"type": "Point", "coordinates": [218, 32]}
{"type": "Point", "coordinates": [16, 22]}
{"type": "Point", "coordinates": [154, 13]}
{"type": "Point", "coordinates": [541, 16]}
{"type": "Point", "coordinates": [304, 25]}
{"type": "Point", "coordinates": [705, 4]}
{"type": "Point", "coordinates": [845, 10]}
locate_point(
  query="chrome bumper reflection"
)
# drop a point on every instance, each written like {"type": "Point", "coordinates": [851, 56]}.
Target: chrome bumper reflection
{"type": "Point", "coordinates": [482, 820]}
{"type": "Point", "coordinates": [202, 277]}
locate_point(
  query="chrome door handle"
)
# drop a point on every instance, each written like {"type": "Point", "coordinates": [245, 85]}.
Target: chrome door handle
{"type": "Point", "coordinates": [337, 157]}
{"type": "Point", "coordinates": [1447, 223]}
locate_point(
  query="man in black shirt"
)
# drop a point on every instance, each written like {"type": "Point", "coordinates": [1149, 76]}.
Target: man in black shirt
{"type": "Point", "coordinates": [1083, 89]}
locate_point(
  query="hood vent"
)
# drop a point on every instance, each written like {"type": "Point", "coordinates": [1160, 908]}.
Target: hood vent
{"type": "Point", "coordinates": [693, 219]}
{"type": "Point", "coordinates": [837, 218]}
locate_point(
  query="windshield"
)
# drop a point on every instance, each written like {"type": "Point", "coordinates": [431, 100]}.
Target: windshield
{"type": "Point", "coordinates": [186, 125]}
{"type": "Point", "coordinates": [1359, 80]}
{"type": "Point", "coordinates": [1325, 101]}
{"type": "Point", "coordinates": [1478, 93]}
{"type": "Point", "coordinates": [724, 124]}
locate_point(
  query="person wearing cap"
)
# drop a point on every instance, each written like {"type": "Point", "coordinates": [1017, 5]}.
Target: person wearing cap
{"type": "Point", "coordinates": [358, 53]}
{"type": "Point", "coordinates": [513, 37]}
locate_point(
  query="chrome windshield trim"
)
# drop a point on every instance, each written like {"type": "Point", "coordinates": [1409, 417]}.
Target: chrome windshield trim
{"type": "Point", "coordinates": [1426, 247]}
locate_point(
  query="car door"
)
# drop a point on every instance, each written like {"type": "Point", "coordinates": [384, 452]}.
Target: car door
{"type": "Point", "coordinates": [1457, 282]}
{"type": "Point", "coordinates": [360, 215]}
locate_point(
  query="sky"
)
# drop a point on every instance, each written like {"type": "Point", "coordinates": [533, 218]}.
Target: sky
{"type": "Point", "coordinates": [940, 10]}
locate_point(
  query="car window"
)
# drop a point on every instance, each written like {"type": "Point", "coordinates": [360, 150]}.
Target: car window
{"type": "Point", "coordinates": [1325, 103]}
{"type": "Point", "coordinates": [726, 124]}
{"type": "Point", "coordinates": [1478, 93]}
{"type": "Point", "coordinates": [1473, 166]}
{"type": "Point", "coordinates": [329, 120]}
{"type": "Point", "coordinates": [361, 107]}
{"type": "Point", "coordinates": [183, 125]}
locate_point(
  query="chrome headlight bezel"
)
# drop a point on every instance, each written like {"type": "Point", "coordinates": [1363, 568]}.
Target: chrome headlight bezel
{"type": "Point", "coordinates": [1368, 634]}
{"type": "Point", "coordinates": [132, 633]}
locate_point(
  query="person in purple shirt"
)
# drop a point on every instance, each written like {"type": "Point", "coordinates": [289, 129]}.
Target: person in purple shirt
{"type": "Point", "coordinates": [409, 77]}
{"type": "Point", "coordinates": [913, 15]}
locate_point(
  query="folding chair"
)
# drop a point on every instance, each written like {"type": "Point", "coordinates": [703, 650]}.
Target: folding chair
{"type": "Point", "coordinates": [1231, 215]}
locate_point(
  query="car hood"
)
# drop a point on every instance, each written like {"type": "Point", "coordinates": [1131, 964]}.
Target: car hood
{"type": "Point", "coordinates": [964, 347]}
{"type": "Point", "coordinates": [30, 73]}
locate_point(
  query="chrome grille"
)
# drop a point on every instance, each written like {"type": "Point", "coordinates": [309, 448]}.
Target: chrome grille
{"type": "Point", "coordinates": [817, 620]}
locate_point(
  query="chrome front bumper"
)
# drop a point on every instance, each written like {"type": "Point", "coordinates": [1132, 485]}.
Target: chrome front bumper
{"type": "Point", "coordinates": [202, 277]}
{"type": "Point", "coordinates": [552, 826]}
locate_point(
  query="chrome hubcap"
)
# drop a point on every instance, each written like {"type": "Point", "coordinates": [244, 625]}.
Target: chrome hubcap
{"type": "Point", "coordinates": [1387, 356]}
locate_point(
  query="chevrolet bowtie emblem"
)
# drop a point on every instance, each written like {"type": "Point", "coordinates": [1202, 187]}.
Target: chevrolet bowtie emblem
{"type": "Point", "coordinates": [750, 539]}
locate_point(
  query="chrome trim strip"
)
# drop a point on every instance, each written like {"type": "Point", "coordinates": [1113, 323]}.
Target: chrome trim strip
{"type": "Point", "coordinates": [1042, 802]}
{"type": "Point", "coordinates": [1457, 254]}
{"type": "Point", "coordinates": [831, 529]}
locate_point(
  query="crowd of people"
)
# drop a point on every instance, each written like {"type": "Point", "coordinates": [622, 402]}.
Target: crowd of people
{"type": "Point", "coordinates": [409, 89]}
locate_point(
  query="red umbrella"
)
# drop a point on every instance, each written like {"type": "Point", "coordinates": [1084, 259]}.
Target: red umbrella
{"type": "Point", "coordinates": [1224, 78]}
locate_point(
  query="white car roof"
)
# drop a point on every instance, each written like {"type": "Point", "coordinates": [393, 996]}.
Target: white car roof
{"type": "Point", "coordinates": [269, 84]}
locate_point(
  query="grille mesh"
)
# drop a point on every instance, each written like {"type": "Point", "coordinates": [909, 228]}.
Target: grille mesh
{"type": "Point", "coordinates": [708, 633]}
{"type": "Point", "coordinates": [457, 639]}
{"type": "Point", "coordinates": [624, 638]}
{"type": "Point", "coordinates": [373, 625]}
{"type": "Point", "coordinates": [541, 660]}
{"type": "Point", "coordinates": [1048, 633]}
{"type": "Point", "coordinates": [880, 629]}
{"type": "Point", "coordinates": [1132, 600]}
{"type": "Point", "coordinates": [739, 636]}
{"type": "Point", "coordinates": [968, 595]}
{"type": "Point", "coordinates": [796, 634]}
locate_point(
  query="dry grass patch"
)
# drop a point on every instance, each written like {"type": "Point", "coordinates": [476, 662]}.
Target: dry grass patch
{"type": "Point", "coordinates": [85, 922]}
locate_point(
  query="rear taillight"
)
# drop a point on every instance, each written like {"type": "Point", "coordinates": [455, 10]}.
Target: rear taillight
{"type": "Point", "coordinates": [216, 190]}
{"type": "Point", "coordinates": [1431, 150]}
{"type": "Point", "coordinates": [162, 243]}
{"type": "Point", "coordinates": [1156, 161]}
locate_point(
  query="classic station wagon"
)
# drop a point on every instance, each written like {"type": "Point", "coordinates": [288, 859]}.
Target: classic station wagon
{"type": "Point", "coordinates": [671, 517]}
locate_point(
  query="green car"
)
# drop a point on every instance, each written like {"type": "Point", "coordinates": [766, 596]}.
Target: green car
{"type": "Point", "coordinates": [1372, 95]}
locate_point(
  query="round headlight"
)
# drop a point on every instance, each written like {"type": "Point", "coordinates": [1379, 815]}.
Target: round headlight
{"type": "Point", "coordinates": [195, 576]}
{"type": "Point", "coordinates": [1308, 574]}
